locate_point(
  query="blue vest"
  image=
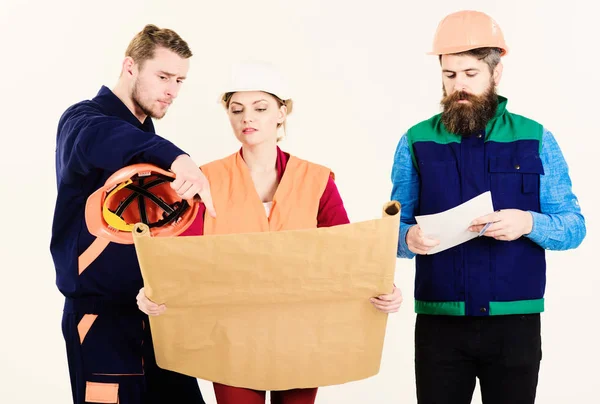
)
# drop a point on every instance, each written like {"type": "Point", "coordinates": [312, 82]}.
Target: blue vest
{"type": "Point", "coordinates": [483, 276]}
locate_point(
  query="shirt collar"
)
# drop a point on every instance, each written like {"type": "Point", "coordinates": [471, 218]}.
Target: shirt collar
{"type": "Point", "coordinates": [112, 105]}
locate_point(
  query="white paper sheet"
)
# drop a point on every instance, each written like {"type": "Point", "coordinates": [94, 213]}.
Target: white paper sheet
{"type": "Point", "coordinates": [451, 227]}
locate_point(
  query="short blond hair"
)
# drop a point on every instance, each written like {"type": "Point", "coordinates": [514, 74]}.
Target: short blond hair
{"type": "Point", "coordinates": [143, 45]}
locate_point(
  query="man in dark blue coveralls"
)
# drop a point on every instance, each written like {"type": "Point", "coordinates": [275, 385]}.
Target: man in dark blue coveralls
{"type": "Point", "coordinates": [109, 346]}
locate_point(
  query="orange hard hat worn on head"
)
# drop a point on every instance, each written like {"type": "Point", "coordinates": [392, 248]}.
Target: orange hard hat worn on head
{"type": "Point", "coordinates": [134, 194]}
{"type": "Point", "coordinates": [466, 30]}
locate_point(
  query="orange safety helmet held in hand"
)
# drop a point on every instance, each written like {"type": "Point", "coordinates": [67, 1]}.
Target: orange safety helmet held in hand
{"type": "Point", "coordinates": [134, 194]}
{"type": "Point", "coordinates": [466, 30]}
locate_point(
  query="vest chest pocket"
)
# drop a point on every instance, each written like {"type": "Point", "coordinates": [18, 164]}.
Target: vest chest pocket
{"type": "Point", "coordinates": [515, 174]}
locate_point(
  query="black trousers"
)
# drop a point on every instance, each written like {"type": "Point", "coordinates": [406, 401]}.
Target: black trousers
{"type": "Point", "coordinates": [503, 352]}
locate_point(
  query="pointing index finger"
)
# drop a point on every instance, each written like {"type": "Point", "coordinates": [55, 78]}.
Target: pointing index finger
{"type": "Point", "coordinates": [208, 202]}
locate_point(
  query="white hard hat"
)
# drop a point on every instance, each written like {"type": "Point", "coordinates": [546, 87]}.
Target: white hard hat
{"type": "Point", "coordinates": [257, 76]}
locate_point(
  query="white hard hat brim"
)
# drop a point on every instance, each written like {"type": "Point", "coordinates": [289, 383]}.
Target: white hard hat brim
{"type": "Point", "coordinates": [257, 76]}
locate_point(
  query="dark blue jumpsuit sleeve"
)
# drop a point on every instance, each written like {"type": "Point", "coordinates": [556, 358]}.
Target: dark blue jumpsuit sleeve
{"type": "Point", "coordinates": [103, 142]}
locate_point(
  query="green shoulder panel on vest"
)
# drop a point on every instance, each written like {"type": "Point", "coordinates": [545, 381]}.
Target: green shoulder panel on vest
{"type": "Point", "coordinates": [505, 127]}
{"type": "Point", "coordinates": [511, 127]}
{"type": "Point", "coordinates": [431, 130]}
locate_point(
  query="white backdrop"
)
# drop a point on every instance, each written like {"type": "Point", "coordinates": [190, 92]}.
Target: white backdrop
{"type": "Point", "coordinates": [360, 78]}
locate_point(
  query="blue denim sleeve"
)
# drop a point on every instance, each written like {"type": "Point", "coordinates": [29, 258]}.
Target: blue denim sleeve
{"type": "Point", "coordinates": [405, 189]}
{"type": "Point", "coordinates": [560, 225]}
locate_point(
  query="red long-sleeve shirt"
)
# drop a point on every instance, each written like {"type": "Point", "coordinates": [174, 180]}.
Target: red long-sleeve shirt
{"type": "Point", "coordinates": [331, 207]}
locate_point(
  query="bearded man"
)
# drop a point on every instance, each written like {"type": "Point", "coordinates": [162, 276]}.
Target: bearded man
{"type": "Point", "coordinates": [478, 304]}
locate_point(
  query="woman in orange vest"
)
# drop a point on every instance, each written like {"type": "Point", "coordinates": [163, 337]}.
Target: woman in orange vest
{"type": "Point", "coordinates": [262, 188]}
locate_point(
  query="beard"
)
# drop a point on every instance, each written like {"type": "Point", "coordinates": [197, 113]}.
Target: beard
{"type": "Point", "coordinates": [144, 105]}
{"type": "Point", "coordinates": [466, 119]}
